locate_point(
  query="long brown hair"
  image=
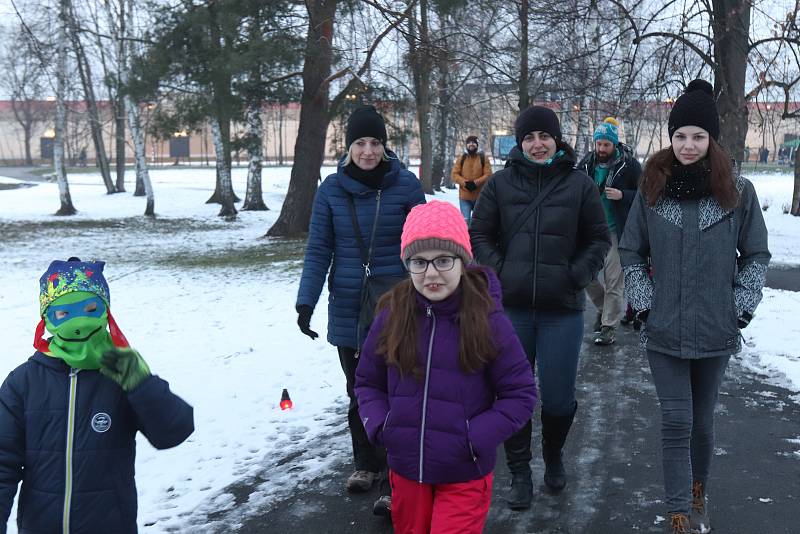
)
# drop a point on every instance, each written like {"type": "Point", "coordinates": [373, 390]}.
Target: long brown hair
{"type": "Point", "coordinates": [398, 341]}
{"type": "Point", "coordinates": [658, 169]}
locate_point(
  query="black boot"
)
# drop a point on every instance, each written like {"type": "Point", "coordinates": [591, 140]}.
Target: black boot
{"type": "Point", "coordinates": [521, 494]}
{"type": "Point", "coordinates": [554, 434]}
{"type": "Point", "coordinates": [518, 456]}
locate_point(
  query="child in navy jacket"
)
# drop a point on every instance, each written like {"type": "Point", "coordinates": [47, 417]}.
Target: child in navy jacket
{"type": "Point", "coordinates": [69, 415]}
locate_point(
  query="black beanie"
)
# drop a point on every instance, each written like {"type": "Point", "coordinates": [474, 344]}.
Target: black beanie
{"type": "Point", "coordinates": [365, 121]}
{"type": "Point", "coordinates": [472, 139]}
{"type": "Point", "coordinates": [695, 107]}
{"type": "Point", "coordinates": [537, 119]}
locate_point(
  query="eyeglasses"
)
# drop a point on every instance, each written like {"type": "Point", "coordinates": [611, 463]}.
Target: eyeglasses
{"type": "Point", "coordinates": [440, 263]}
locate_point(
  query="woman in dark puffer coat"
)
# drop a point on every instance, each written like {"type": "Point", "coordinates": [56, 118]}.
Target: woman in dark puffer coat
{"type": "Point", "coordinates": [544, 260]}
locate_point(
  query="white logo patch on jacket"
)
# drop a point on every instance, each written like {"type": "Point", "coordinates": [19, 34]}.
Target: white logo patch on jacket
{"type": "Point", "coordinates": [101, 422]}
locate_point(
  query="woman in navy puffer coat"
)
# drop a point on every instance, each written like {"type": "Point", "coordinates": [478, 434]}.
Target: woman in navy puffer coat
{"type": "Point", "coordinates": [383, 193]}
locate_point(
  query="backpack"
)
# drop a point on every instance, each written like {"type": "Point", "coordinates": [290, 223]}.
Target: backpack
{"type": "Point", "coordinates": [464, 157]}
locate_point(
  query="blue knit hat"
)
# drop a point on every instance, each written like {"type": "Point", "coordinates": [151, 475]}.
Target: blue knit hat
{"type": "Point", "coordinates": [608, 130]}
{"type": "Point", "coordinates": [63, 277]}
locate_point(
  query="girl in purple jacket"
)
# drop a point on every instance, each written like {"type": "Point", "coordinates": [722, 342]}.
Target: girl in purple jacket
{"type": "Point", "coordinates": [442, 379]}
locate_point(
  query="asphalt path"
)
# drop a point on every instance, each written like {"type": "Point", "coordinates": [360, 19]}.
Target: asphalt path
{"type": "Point", "coordinates": [612, 457]}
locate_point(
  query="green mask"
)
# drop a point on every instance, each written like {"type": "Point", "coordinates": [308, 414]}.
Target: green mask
{"type": "Point", "coordinates": [79, 324]}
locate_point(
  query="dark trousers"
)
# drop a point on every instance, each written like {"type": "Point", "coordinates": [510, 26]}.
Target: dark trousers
{"type": "Point", "coordinates": [552, 342]}
{"type": "Point", "coordinates": [687, 391]}
{"type": "Point", "coordinates": [366, 456]}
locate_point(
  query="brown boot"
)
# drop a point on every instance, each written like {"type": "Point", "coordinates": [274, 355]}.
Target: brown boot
{"type": "Point", "coordinates": [678, 524]}
{"type": "Point", "coordinates": [699, 521]}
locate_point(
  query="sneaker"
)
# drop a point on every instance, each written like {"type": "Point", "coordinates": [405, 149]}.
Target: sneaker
{"type": "Point", "coordinates": [598, 323]}
{"type": "Point", "coordinates": [678, 524]}
{"type": "Point", "coordinates": [383, 506]}
{"type": "Point", "coordinates": [361, 481]}
{"type": "Point", "coordinates": [698, 518]}
{"type": "Point", "coordinates": [605, 337]}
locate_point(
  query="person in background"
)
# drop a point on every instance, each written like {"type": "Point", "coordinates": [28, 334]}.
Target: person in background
{"type": "Point", "coordinates": [443, 379]}
{"type": "Point", "coordinates": [700, 227]}
{"type": "Point", "coordinates": [382, 193]}
{"type": "Point", "coordinates": [615, 170]}
{"type": "Point", "coordinates": [544, 258]}
{"type": "Point", "coordinates": [470, 171]}
{"type": "Point", "coordinates": [69, 415]}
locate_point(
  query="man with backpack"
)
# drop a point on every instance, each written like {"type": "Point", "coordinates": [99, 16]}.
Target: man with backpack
{"type": "Point", "coordinates": [470, 171]}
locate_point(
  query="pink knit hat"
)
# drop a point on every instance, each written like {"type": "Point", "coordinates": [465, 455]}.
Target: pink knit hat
{"type": "Point", "coordinates": [435, 225]}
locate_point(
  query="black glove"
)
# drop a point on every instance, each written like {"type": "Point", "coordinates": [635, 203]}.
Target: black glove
{"type": "Point", "coordinates": [744, 320]}
{"type": "Point", "coordinates": [641, 315]}
{"type": "Point", "coordinates": [470, 186]}
{"type": "Point", "coordinates": [304, 320]}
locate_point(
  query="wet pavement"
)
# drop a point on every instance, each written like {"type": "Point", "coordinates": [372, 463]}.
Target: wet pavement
{"type": "Point", "coordinates": [613, 464]}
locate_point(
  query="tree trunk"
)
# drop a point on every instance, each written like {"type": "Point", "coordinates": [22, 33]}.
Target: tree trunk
{"type": "Point", "coordinates": [119, 132]}
{"type": "Point", "coordinates": [796, 194]}
{"type": "Point", "coordinates": [95, 126]}
{"type": "Point", "coordinates": [309, 149]}
{"type": "Point", "coordinates": [253, 198]}
{"type": "Point", "coordinates": [228, 210]}
{"type": "Point", "coordinates": [524, 98]}
{"type": "Point", "coordinates": [440, 173]}
{"type": "Point", "coordinates": [420, 66]}
{"type": "Point", "coordinates": [731, 22]}
{"type": "Point", "coordinates": [28, 156]}
{"type": "Point", "coordinates": [61, 115]}
{"type": "Point", "coordinates": [142, 172]}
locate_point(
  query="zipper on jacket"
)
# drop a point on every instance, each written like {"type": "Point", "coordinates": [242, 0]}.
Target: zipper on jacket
{"type": "Point", "coordinates": [430, 314]}
{"type": "Point", "coordinates": [472, 451]}
{"type": "Point", "coordinates": [614, 176]}
{"type": "Point", "coordinates": [536, 240]}
{"type": "Point", "coordinates": [73, 391]}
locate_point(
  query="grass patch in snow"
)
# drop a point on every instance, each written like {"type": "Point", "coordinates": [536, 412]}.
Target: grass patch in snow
{"type": "Point", "coordinates": [284, 254]}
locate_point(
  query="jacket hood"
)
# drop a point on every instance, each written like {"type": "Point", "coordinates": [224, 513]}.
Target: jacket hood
{"type": "Point", "coordinates": [355, 187]}
{"type": "Point", "coordinates": [452, 304]}
{"type": "Point", "coordinates": [56, 364]}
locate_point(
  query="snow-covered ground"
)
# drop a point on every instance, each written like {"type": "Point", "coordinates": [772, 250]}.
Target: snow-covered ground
{"type": "Point", "coordinates": [210, 306]}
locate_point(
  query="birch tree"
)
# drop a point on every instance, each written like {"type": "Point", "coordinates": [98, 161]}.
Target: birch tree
{"type": "Point", "coordinates": [61, 112]}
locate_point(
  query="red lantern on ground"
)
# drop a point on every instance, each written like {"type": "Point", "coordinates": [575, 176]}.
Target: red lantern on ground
{"type": "Point", "coordinates": [286, 402]}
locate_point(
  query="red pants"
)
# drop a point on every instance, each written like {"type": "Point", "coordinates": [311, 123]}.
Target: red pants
{"type": "Point", "coordinates": [457, 508]}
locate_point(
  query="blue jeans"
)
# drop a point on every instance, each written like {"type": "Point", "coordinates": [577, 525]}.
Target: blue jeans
{"type": "Point", "coordinates": [466, 209]}
{"type": "Point", "coordinates": [687, 391]}
{"type": "Point", "coordinates": [552, 342]}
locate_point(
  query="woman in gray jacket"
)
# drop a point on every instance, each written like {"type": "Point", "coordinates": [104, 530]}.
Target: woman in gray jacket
{"type": "Point", "coordinates": [700, 228]}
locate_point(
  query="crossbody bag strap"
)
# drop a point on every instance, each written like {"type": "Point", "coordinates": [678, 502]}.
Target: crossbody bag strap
{"type": "Point", "coordinates": [525, 215]}
{"type": "Point", "coordinates": [357, 230]}
{"type": "Point", "coordinates": [366, 254]}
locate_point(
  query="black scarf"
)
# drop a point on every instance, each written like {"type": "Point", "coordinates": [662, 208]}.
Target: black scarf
{"type": "Point", "coordinates": [691, 181]}
{"type": "Point", "coordinates": [371, 179]}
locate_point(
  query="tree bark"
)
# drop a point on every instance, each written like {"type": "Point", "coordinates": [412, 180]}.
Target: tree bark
{"type": "Point", "coordinates": [731, 22]}
{"type": "Point", "coordinates": [419, 44]}
{"type": "Point", "coordinates": [84, 70]}
{"type": "Point", "coordinates": [61, 115]}
{"type": "Point", "coordinates": [309, 149]}
{"type": "Point", "coordinates": [523, 94]}
{"type": "Point", "coordinates": [119, 133]}
{"type": "Point", "coordinates": [142, 172]}
{"type": "Point", "coordinates": [796, 194]}
{"type": "Point", "coordinates": [228, 210]}
{"type": "Point", "coordinates": [253, 198]}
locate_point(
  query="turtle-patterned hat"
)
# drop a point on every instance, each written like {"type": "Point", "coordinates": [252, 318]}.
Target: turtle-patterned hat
{"type": "Point", "coordinates": [64, 277]}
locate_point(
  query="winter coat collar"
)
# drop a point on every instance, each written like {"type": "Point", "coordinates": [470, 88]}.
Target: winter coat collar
{"type": "Point", "coordinates": [450, 306]}
{"type": "Point", "coordinates": [56, 364]}
{"type": "Point", "coordinates": [354, 187]}
{"type": "Point", "coordinates": [710, 212]}
{"type": "Point", "coordinates": [560, 166]}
